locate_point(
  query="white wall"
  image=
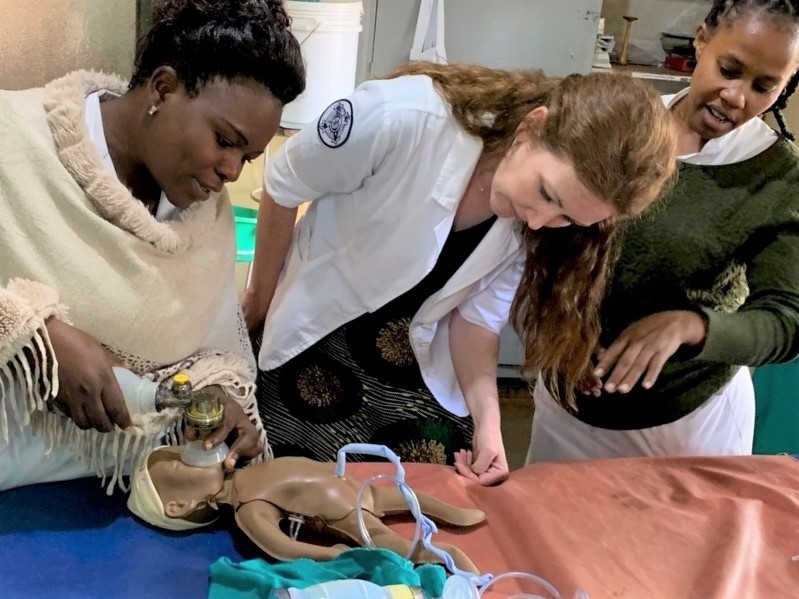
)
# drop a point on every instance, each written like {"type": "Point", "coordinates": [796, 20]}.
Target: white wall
{"type": "Point", "coordinates": [42, 40]}
{"type": "Point", "coordinates": [556, 36]}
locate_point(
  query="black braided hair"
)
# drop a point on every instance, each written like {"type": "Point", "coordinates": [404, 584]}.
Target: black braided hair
{"type": "Point", "coordinates": [778, 106]}
{"type": "Point", "coordinates": [205, 39]}
{"type": "Point", "coordinates": [727, 11]}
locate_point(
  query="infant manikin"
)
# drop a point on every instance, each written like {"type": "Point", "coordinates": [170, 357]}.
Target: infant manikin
{"type": "Point", "coordinates": [170, 494]}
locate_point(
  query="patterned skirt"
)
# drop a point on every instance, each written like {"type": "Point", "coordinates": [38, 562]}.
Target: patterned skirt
{"type": "Point", "coordinates": [360, 384]}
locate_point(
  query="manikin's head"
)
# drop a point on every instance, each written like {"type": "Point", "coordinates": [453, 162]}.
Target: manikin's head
{"type": "Point", "coordinates": [168, 494]}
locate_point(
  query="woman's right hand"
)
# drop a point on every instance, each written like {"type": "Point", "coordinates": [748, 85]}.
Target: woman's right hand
{"type": "Point", "coordinates": [643, 348]}
{"type": "Point", "coordinates": [88, 390]}
{"type": "Point", "coordinates": [485, 463]}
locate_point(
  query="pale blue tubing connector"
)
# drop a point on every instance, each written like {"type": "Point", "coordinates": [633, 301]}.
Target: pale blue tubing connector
{"type": "Point", "coordinates": [462, 584]}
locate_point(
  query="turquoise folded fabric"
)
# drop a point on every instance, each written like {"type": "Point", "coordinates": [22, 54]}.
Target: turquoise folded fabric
{"type": "Point", "coordinates": [256, 578]}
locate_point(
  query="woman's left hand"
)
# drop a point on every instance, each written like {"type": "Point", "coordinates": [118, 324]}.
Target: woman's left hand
{"type": "Point", "coordinates": [247, 444]}
{"type": "Point", "coordinates": [486, 462]}
{"type": "Point", "coordinates": [644, 347]}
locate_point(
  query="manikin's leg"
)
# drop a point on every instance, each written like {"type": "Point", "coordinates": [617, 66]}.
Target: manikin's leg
{"type": "Point", "coordinates": [383, 536]}
{"type": "Point", "coordinates": [389, 500]}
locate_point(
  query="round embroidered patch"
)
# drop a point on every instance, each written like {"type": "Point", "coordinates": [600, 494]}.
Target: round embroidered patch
{"type": "Point", "coordinates": [335, 124]}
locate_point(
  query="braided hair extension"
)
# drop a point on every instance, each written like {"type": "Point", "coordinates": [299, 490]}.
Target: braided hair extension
{"type": "Point", "coordinates": [778, 106]}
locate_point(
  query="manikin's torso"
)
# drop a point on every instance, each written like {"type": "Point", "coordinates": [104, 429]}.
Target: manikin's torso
{"type": "Point", "coordinates": [299, 486]}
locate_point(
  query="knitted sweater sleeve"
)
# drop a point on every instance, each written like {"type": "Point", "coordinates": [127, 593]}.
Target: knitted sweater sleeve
{"type": "Point", "coordinates": [765, 329]}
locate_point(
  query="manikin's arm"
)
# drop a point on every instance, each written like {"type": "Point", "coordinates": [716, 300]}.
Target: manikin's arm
{"type": "Point", "coordinates": [261, 522]}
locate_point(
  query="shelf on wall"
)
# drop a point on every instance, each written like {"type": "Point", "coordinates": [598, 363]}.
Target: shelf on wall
{"type": "Point", "coordinates": [654, 73]}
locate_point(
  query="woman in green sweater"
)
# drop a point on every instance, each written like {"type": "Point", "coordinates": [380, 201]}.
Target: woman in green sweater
{"type": "Point", "coordinates": [708, 283]}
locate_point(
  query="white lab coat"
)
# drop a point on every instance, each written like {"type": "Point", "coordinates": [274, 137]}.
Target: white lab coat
{"type": "Point", "coordinates": [382, 205]}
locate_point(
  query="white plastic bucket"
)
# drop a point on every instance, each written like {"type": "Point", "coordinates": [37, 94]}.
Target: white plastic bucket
{"type": "Point", "coordinates": [328, 35]}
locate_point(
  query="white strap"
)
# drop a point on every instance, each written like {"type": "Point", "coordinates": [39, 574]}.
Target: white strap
{"type": "Point", "coordinates": [428, 40]}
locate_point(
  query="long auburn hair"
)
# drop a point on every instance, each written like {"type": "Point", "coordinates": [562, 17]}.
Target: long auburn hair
{"type": "Point", "coordinates": [619, 138]}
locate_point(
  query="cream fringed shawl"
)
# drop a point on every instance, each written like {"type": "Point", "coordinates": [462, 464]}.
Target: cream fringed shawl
{"type": "Point", "coordinates": [74, 244]}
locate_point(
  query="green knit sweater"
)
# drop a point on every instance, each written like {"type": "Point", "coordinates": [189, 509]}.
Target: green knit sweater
{"type": "Point", "coordinates": [725, 241]}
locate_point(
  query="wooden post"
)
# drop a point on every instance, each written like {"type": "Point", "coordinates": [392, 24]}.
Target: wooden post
{"type": "Point", "coordinates": [626, 41]}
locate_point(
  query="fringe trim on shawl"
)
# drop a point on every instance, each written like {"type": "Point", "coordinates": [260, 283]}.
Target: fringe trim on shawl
{"type": "Point", "coordinates": [29, 379]}
{"type": "Point", "coordinates": [109, 454]}
{"type": "Point", "coordinates": [29, 371]}
{"type": "Point", "coordinates": [112, 456]}
{"type": "Point", "coordinates": [27, 382]}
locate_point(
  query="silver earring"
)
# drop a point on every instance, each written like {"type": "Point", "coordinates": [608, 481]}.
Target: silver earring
{"type": "Point", "coordinates": [152, 110]}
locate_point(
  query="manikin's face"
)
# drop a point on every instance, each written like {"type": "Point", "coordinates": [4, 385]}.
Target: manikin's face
{"type": "Point", "coordinates": [742, 68]}
{"type": "Point", "coordinates": [197, 144]}
{"type": "Point", "coordinates": [542, 189]}
{"type": "Point", "coordinates": [175, 481]}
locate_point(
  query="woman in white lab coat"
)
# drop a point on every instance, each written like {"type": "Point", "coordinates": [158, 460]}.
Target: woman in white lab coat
{"type": "Point", "coordinates": [428, 192]}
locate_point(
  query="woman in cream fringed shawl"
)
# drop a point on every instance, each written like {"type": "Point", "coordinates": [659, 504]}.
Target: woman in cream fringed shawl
{"type": "Point", "coordinates": [117, 241]}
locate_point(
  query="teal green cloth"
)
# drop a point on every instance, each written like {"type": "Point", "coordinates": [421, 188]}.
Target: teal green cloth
{"type": "Point", "coordinates": [724, 243]}
{"type": "Point", "coordinates": [777, 408]}
{"type": "Point", "coordinates": [256, 578]}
